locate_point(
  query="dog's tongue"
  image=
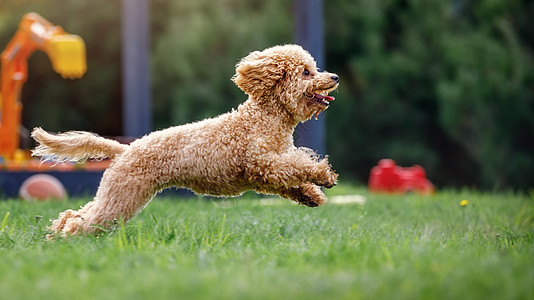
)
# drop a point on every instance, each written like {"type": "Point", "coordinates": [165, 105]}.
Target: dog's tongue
{"type": "Point", "coordinates": [321, 97]}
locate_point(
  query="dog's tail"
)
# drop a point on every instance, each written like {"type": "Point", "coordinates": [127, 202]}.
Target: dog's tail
{"type": "Point", "coordinates": [74, 146]}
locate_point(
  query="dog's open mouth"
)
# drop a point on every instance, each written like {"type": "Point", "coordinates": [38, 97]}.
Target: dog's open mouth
{"type": "Point", "coordinates": [321, 97]}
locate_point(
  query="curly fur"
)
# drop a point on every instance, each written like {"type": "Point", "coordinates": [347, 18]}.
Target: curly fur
{"type": "Point", "coordinates": [250, 148]}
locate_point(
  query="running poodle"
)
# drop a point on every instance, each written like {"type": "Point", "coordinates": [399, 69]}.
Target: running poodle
{"type": "Point", "coordinates": [250, 148]}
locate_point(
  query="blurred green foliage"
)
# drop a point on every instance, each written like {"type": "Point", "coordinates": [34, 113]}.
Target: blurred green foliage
{"type": "Point", "coordinates": [196, 45]}
{"type": "Point", "coordinates": [445, 84]}
{"type": "Point", "coordinates": [448, 85]}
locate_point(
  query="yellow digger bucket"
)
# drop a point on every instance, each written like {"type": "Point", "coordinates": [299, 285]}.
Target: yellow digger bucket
{"type": "Point", "coordinates": [67, 53]}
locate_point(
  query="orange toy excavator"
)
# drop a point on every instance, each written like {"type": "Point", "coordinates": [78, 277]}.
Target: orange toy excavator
{"type": "Point", "coordinates": [67, 53]}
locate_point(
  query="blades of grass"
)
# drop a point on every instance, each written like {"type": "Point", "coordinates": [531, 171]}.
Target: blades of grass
{"type": "Point", "coordinates": [388, 258]}
{"type": "Point", "coordinates": [139, 237]}
{"type": "Point", "coordinates": [121, 238]}
{"type": "Point", "coordinates": [101, 228]}
{"type": "Point", "coordinates": [221, 229]}
{"type": "Point", "coordinates": [37, 219]}
{"type": "Point", "coordinates": [205, 240]}
{"type": "Point", "coordinates": [4, 221]}
{"type": "Point", "coordinates": [521, 215]}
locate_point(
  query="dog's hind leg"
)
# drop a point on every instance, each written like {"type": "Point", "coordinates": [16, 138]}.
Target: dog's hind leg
{"type": "Point", "coordinates": [120, 196]}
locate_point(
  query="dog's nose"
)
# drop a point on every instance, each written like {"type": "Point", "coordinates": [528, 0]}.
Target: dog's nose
{"type": "Point", "coordinates": [335, 78]}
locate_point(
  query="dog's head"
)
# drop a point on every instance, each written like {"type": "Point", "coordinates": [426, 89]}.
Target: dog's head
{"type": "Point", "coordinates": [286, 77]}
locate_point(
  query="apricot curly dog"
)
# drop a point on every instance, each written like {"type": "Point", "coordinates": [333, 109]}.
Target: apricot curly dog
{"type": "Point", "coordinates": [250, 148]}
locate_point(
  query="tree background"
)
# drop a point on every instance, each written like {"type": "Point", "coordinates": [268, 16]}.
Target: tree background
{"type": "Point", "coordinates": [448, 85]}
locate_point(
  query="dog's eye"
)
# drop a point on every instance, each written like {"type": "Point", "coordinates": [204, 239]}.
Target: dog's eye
{"type": "Point", "coordinates": [306, 72]}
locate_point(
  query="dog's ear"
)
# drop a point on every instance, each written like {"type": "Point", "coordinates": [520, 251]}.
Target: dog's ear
{"type": "Point", "coordinates": [258, 73]}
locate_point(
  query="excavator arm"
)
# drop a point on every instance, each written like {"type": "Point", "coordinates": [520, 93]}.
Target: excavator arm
{"type": "Point", "coordinates": [66, 52]}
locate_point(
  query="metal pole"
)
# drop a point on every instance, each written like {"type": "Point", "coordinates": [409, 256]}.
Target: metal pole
{"type": "Point", "coordinates": [136, 111]}
{"type": "Point", "coordinates": [309, 34]}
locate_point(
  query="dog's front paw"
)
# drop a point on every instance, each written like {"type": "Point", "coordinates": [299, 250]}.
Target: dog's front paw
{"type": "Point", "coordinates": [326, 176]}
{"type": "Point", "coordinates": [330, 182]}
{"type": "Point", "coordinates": [311, 195]}
{"type": "Point", "coordinates": [306, 194]}
{"type": "Point", "coordinates": [310, 202]}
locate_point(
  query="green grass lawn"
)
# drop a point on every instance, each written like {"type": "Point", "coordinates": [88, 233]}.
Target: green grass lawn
{"type": "Point", "coordinates": [392, 247]}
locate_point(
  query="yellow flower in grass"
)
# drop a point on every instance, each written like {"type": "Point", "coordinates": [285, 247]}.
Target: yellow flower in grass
{"type": "Point", "coordinates": [464, 203]}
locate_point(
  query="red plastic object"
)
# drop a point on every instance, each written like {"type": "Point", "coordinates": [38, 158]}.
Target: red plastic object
{"type": "Point", "coordinates": [387, 177]}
